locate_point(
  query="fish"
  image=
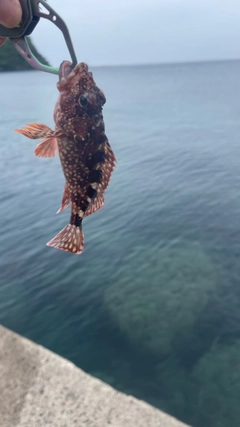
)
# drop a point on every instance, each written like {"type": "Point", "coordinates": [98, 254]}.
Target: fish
{"type": "Point", "coordinates": [86, 156]}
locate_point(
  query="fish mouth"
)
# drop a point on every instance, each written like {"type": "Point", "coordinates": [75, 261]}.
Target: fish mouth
{"type": "Point", "coordinates": [64, 70]}
{"type": "Point", "coordinates": [69, 76]}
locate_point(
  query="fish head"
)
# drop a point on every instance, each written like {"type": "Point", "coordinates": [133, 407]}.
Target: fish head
{"type": "Point", "coordinates": [78, 111]}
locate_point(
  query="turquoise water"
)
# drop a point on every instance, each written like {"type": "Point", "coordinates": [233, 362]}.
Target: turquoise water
{"type": "Point", "coordinates": [152, 306]}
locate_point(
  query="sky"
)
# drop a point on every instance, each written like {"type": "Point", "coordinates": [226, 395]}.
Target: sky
{"type": "Point", "coordinates": [121, 32]}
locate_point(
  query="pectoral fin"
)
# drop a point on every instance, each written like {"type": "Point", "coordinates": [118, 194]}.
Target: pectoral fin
{"type": "Point", "coordinates": [47, 148]}
{"type": "Point", "coordinates": [36, 131]}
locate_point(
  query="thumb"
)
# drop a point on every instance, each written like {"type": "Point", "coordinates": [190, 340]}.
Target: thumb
{"type": "Point", "coordinates": [10, 13]}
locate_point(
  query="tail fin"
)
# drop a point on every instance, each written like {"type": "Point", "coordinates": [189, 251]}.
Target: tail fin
{"type": "Point", "coordinates": [70, 239]}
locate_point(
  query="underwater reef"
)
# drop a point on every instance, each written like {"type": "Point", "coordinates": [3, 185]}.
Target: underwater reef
{"type": "Point", "coordinates": [159, 311]}
{"type": "Point", "coordinates": [178, 314]}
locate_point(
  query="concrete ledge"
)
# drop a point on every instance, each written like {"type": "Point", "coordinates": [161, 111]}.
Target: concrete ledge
{"type": "Point", "coordinates": [39, 388]}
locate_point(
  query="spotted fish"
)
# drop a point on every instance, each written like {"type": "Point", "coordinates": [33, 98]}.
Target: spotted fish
{"type": "Point", "coordinates": [85, 153]}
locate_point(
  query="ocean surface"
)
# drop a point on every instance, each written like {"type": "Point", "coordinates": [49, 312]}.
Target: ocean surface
{"type": "Point", "coordinates": [152, 306]}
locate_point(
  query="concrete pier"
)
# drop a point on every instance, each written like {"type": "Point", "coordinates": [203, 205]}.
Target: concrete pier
{"type": "Point", "coordinates": [39, 388]}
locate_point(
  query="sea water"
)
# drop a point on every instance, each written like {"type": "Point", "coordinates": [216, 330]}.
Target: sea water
{"type": "Point", "coordinates": [171, 215]}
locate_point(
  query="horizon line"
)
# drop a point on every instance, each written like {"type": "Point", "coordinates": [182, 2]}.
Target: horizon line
{"type": "Point", "coordinates": [146, 64]}
{"type": "Point", "coordinates": [184, 62]}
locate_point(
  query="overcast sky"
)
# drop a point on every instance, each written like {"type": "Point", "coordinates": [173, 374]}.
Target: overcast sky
{"type": "Point", "coordinates": [106, 32]}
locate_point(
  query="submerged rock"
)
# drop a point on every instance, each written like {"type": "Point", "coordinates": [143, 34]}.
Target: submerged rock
{"type": "Point", "coordinates": [215, 388]}
{"type": "Point", "coordinates": [158, 295]}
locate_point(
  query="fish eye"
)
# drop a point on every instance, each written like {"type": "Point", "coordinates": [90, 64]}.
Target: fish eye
{"type": "Point", "coordinates": [83, 101]}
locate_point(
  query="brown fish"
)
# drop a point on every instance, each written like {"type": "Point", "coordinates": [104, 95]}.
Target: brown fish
{"type": "Point", "coordinates": [85, 153]}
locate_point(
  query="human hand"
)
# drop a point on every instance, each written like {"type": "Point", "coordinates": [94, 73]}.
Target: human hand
{"type": "Point", "coordinates": [10, 15]}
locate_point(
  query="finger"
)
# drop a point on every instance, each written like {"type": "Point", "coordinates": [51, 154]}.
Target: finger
{"type": "Point", "coordinates": [10, 13]}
